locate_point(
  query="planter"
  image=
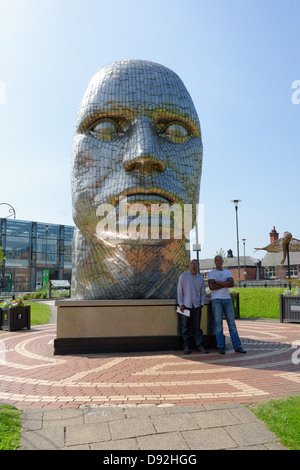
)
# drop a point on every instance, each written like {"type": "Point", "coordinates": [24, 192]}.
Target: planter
{"type": "Point", "coordinates": [16, 318]}
{"type": "Point", "coordinates": [289, 308]}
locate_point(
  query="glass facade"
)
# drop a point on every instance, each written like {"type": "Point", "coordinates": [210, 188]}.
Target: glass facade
{"type": "Point", "coordinates": [30, 248]}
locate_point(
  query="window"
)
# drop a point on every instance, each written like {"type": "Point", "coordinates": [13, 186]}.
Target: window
{"type": "Point", "coordinates": [69, 233]}
{"type": "Point", "coordinates": [293, 271]}
{"type": "Point", "coordinates": [17, 251]}
{"type": "Point", "coordinates": [270, 273]}
{"type": "Point", "coordinates": [18, 228]}
{"type": "Point", "coordinates": [47, 231]}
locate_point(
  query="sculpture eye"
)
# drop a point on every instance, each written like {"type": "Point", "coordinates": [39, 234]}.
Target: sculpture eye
{"type": "Point", "coordinates": [105, 130]}
{"type": "Point", "coordinates": [176, 132]}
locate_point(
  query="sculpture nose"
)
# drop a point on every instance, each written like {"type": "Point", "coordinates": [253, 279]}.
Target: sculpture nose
{"type": "Point", "coordinates": [143, 152]}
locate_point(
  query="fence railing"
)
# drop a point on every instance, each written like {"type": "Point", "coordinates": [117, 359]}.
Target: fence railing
{"type": "Point", "coordinates": [262, 283]}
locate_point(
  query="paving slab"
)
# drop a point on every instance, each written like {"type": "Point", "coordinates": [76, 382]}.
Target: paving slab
{"type": "Point", "coordinates": [167, 441]}
{"type": "Point", "coordinates": [250, 433]}
{"type": "Point", "coordinates": [86, 434]}
{"type": "Point", "coordinates": [122, 444]}
{"type": "Point", "coordinates": [71, 417]}
{"type": "Point", "coordinates": [103, 414]}
{"type": "Point", "coordinates": [44, 439]}
{"type": "Point", "coordinates": [140, 428]}
{"type": "Point", "coordinates": [209, 439]}
{"type": "Point", "coordinates": [176, 422]}
{"type": "Point", "coordinates": [215, 418]}
{"type": "Point", "coordinates": [132, 427]}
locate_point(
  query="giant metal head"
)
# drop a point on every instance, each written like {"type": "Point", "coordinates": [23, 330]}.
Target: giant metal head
{"type": "Point", "coordinates": [137, 137]}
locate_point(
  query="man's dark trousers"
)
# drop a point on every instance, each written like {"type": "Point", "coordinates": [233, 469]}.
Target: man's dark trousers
{"type": "Point", "coordinates": [192, 322]}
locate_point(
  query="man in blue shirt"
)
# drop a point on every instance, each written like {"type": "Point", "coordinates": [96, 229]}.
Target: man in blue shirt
{"type": "Point", "coordinates": [191, 296]}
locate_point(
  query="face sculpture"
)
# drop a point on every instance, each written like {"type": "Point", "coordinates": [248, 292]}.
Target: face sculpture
{"type": "Point", "coordinates": [137, 144]}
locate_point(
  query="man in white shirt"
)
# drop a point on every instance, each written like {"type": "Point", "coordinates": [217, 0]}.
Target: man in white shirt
{"type": "Point", "coordinates": [219, 282]}
{"type": "Point", "coordinates": [191, 295]}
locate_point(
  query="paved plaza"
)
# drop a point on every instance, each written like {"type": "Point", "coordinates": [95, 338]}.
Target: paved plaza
{"type": "Point", "coordinates": [155, 400]}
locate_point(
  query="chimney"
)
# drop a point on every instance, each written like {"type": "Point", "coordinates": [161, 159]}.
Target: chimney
{"type": "Point", "coordinates": [273, 235]}
{"type": "Point", "coordinates": [229, 254]}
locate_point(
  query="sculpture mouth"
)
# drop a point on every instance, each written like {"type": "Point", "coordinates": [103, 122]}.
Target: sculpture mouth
{"type": "Point", "coordinates": [144, 196]}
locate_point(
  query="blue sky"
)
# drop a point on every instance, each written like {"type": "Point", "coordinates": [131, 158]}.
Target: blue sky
{"type": "Point", "coordinates": [237, 58]}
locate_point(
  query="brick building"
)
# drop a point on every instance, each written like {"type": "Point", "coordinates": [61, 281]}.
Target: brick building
{"type": "Point", "coordinates": [250, 268]}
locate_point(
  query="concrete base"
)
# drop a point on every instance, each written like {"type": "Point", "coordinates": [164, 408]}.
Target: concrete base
{"type": "Point", "coordinates": [122, 326]}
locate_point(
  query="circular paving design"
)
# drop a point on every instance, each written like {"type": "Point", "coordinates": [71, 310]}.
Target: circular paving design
{"type": "Point", "coordinates": [31, 375]}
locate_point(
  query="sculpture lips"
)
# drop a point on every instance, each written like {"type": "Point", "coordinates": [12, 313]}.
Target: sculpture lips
{"type": "Point", "coordinates": [154, 198]}
{"type": "Point", "coordinates": [145, 196]}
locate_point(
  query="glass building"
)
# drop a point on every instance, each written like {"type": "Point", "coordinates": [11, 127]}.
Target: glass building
{"type": "Point", "coordinates": [33, 250]}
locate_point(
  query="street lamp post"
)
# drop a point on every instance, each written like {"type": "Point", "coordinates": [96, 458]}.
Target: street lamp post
{"type": "Point", "coordinates": [236, 202]}
{"type": "Point", "coordinates": [11, 211]}
{"type": "Point", "coordinates": [244, 243]}
{"type": "Point", "coordinates": [46, 261]}
{"type": "Point", "coordinates": [46, 228]}
{"type": "Point", "coordinates": [197, 245]}
{"type": "Point", "coordinates": [288, 260]}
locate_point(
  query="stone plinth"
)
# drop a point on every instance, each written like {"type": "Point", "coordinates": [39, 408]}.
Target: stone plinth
{"type": "Point", "coordinates": [121, 325]}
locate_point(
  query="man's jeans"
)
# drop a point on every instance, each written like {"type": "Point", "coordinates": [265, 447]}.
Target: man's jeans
{"type": "Point", "coordinates": [192, 323]}
{"type": "Point", "coordinates": [218, 307]}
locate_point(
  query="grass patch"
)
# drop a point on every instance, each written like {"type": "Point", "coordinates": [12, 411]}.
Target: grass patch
{"type": "Point", "coordinates": [282, 417]}
{"type": "Point", "coordinates": [39, 313]}
{"type": "Point", "coordinates": [260, 302]}
{"type": "Point", "coordinates": [10, 427]}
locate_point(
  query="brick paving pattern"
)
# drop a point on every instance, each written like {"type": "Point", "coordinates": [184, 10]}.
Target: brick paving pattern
{"type": "Point", "coordinates": [31, 376]}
